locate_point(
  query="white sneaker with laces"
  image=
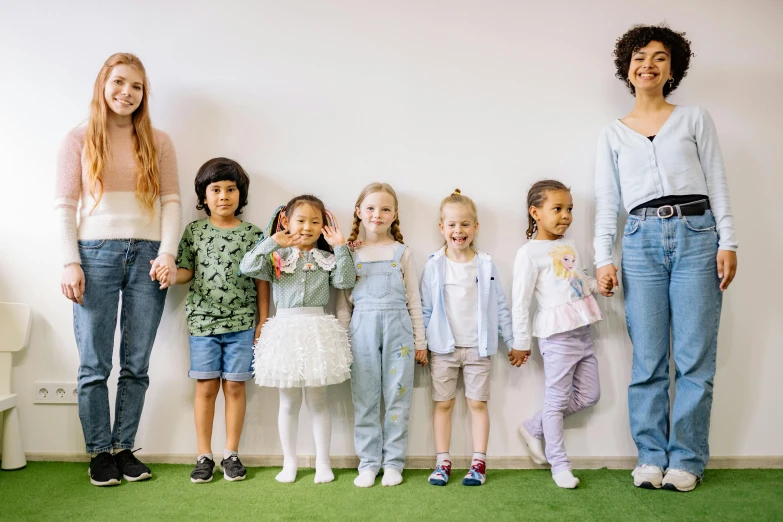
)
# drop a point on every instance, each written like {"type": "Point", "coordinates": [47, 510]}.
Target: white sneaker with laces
{"type": "Point", "coordinates": [679, 480]}
{"type": "Point", "coordinates": [647, 476]}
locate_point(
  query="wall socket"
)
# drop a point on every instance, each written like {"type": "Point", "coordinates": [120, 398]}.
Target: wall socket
{"type": "Point", "coordinates": [55, 393]}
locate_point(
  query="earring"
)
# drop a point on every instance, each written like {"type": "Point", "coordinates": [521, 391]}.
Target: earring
{"type": "Point", "coordinates": [628, 82]}
{"type": "Point", "coordinates": [671, 82]}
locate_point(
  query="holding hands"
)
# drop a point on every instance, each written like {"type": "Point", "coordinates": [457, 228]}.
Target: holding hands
{"type": "Point", "coordinates": [518, 357]}
{"type": "Point", "coordinates": [607, 280]}
{"type": "Point", "coordinates": [164, 270]}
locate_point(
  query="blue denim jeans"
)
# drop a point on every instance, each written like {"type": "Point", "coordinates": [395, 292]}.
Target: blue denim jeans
{"type": "Point", "coordinates": [672, 300]}
{"type": "Point", "coordinates": [113, 268]}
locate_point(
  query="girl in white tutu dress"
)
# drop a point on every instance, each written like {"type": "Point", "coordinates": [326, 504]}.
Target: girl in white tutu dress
{"type": "Point", "coordinates": [302, 347]}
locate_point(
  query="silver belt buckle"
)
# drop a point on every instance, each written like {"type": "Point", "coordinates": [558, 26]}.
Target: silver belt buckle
{"type": "Point", "coordinates": [665, 211]}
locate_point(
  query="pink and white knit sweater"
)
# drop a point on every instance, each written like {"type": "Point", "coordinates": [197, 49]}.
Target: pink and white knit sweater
{"type": "Point", "coordinates": [119, 214]}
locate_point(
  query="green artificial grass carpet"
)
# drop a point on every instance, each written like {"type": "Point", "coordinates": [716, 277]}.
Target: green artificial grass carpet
{"type": "Point", "coordinates": [62, 491]}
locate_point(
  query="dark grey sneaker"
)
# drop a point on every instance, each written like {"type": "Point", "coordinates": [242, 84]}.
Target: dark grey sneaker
{"type": "Point", "coordinates": [205, 468]}
{"type": "Point", "coordinates": [131, 468]}
{"type": "Point", "coordinates": [233, 469]}
{"type": "Point", "coordinates": [103, 471]}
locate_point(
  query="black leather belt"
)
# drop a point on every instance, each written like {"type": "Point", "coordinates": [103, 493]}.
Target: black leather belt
{"type": "Point", "coordinates": [696, 208]}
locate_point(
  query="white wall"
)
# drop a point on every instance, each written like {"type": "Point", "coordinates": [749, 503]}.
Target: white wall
{"type": "Point", "coordinates": [324, 97]}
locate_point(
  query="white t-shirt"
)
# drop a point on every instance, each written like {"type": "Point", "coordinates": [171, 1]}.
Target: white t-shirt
{"type": "Point", "coordinates": [460, 296]}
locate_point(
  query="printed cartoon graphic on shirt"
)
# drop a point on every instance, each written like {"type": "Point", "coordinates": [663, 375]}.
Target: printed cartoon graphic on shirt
{"type": "Point", "coordinates": [564, 261]}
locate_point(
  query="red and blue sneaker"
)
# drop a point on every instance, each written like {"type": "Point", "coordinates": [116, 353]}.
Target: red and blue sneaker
{"type": "Point", "coordinates": [477, 474]}
{"type": "Point", "coordinates": [440, 477]}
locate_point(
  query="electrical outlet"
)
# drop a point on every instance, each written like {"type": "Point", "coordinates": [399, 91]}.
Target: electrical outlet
{"type": "Point", "coordinates": [55, 393]}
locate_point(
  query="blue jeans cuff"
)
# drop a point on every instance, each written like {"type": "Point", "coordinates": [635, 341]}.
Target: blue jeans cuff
{"type": "Point", "coordinates": [203, 375]}
{"type": "Point", "coordinates": [106, 449]}
{"type": "Point", "coordinates": [237, 377]}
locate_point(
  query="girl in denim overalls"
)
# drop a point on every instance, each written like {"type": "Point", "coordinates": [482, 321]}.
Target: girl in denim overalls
{"type": "Point", "coordinates": [387, 335]}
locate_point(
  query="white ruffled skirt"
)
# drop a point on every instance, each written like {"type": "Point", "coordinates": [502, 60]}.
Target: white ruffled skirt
{"type": "Point", "coordinates": [302, 347]}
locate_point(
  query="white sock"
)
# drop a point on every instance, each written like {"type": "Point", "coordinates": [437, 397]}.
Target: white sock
{"type": "Point", "coordinates": [207, 455]}
{"type": "Point", "coordinates": [288, 425]}
{"type": "Point", "coordinates": [566, 479]}
{"type": "Point", "coordinates": [391, 477]}
{"type": "Point", "coordinates": [227, 453]}
{"type": "Point", "coordinates": [365, 479]}
{"type": "Point", "coordinates": [479, 456]}
{"type": "Point", "coordinates": [321, 418]}
{"type": "Point", "coordinates": [440, 457]}
{"type": "Point", "coordinates": [288, 473]}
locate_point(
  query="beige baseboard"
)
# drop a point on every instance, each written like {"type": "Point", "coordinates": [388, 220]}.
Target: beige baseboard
{"type": "Point", "coordinates": [426, 462]}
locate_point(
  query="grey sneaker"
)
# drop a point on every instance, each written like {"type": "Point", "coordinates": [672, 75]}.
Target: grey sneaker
{"type": "Point", "coordinates": [233, 469]}
{"type": "Point", "coordinates": [205, 468]}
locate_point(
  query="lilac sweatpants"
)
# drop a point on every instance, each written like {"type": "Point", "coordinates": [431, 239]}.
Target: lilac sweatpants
{"type": "Point", "coordinates": [571, 375]}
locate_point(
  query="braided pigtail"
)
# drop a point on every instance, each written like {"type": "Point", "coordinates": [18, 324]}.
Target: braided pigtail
{"type": "Point", "coordinates": [354, 229]}
{"type": "Point", "coordinates": [395, 230]}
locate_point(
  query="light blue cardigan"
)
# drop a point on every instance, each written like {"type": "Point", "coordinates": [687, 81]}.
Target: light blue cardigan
{"type": "Point", "coordinates": [684, 158]}
{"type": "Point", "coordinates": [493, 313]}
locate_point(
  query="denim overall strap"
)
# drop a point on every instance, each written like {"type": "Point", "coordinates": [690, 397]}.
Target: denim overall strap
{"type": "Point", "coordinates": [379, 285]}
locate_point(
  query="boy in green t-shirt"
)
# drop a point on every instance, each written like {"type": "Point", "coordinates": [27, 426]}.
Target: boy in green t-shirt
{"type": "Point", "coordinates": [225, 310]}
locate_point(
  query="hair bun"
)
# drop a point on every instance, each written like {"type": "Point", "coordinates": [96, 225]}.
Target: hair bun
{"type": "Point", "coordinates": [457, 192]}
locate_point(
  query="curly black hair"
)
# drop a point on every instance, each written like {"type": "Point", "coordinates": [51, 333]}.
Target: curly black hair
{"type": "Point", "coordinates": [639, 36]}
{"type": "Point", "coordinates": [221, 169]}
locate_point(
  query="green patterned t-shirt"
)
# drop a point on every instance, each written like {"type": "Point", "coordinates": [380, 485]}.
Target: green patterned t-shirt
{"type": "Point", "coordinates": [220, 300]}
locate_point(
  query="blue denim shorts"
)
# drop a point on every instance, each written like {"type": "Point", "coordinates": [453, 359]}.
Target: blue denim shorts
{"type": "Point", "coordinates": [228, 356]}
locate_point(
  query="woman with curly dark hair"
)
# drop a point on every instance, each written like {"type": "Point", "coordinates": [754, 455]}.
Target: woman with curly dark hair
{"type": "Point", "coordinates": [664, 164]}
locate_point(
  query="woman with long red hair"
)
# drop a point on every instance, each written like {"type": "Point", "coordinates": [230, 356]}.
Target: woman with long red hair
{"type": "Point", "coordinates": [118, 215]}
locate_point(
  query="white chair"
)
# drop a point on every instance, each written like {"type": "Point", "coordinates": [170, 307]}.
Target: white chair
{"type": "Point", "coordinates": [15, 323]}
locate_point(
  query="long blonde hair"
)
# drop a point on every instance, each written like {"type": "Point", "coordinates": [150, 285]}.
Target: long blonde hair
{"type": "Point", "coordinates": [372, 188]}
{"type": "Point", "coordinates": [557, 255]}
{"type": "Point", "coordinates": [97, 150]}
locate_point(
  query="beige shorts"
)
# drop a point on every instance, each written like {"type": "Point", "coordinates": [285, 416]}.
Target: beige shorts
{"type": "Point", "coordinates": [475, 372]}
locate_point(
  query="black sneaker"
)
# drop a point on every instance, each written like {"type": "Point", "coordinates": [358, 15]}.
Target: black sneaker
{"type": "Point", "coordinates": [132, 469]}
{"type": "Point", "coordinates": [233, 469]}
{"type": "Point", "coordinates": [103, 471]}
{"type": "Point", "coordinates": [205, 468]}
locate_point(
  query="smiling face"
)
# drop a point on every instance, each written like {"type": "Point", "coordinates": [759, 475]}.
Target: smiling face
{"type": "Point", "coordinates": [124, 90]}
{"type": "Point", "coordinates": [307, 221]}
{"type": "Point", "coordinates": [377, 212]}
{"type": "Point", "coordinates": [650, 67]}
{"type": "Point", "coordinates": [458, 226]}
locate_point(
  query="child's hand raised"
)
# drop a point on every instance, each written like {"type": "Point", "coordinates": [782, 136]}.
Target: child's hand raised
{"type": "Point", "coordinates": [284, 239]}
{"type": "Point", "coordinates": [518, 357]}
{"type": "Point", "coordinates": [421, 357]}
{"type": "Point", "coordinates": [333, 236]}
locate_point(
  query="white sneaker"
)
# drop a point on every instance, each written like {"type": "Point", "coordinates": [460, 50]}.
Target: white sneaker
{"type": "Point", "coordinates": [534, 446]}
{"type": "Point", "coordinates": [679, 480]}
{"type": "Point", "coordinates": [647, 476]}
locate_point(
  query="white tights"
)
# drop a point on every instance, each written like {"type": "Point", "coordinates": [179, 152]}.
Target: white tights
{"type": "Point", "coordinates": [288, 423]}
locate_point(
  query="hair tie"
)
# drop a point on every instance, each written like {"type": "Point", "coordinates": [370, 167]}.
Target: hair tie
{"type": "Point", "coordinates": [457, 192]}
{"type": "Point", "coordinates": [331, 219]}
